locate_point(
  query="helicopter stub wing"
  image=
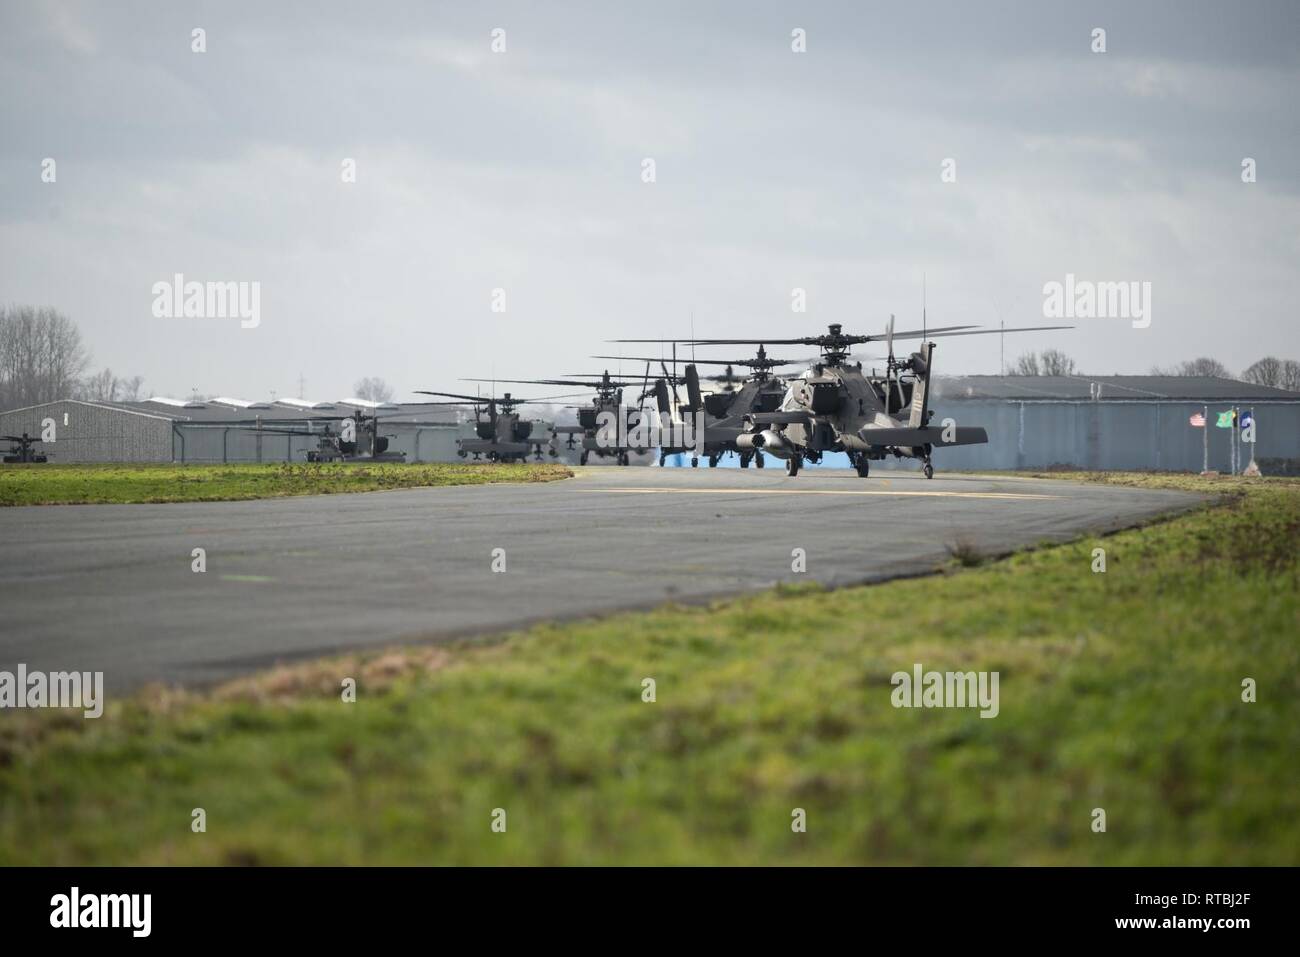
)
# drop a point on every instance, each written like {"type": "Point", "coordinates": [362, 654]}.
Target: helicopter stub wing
{"type": "Point", "coordinates": [721, 433]}
{"type": "Point", "coordinates": [929, 435]}
{"type": "Point", "coordinates": [780, 417]}
{"type": "Point", "coordinates": [483, 446]}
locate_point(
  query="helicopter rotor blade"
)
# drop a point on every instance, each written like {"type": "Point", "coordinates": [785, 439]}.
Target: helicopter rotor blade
{"type": "Point", "coordinates": [751, 363]}
{"type": "Point", "coordinates": [544, 399]}
{"type": "Point", "coordinates": [590, 382]}
{"type": "Point", "coordinates": [479, 399]}
{"type": "Point", "coordinates": [494, 400]}
{"type": "Point", "coordinates": [998, 332]}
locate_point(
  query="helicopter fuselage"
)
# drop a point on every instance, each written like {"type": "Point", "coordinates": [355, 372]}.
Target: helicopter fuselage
{"type": "Point", "coordinates": [836, 407]}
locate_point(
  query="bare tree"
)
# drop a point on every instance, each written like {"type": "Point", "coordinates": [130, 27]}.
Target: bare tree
{"type": "Point", "coordinates": [130, 388]}
{"type": "Point", "coordinates": [1267, 371]}
{"type": "Point", "coordinates": [1047, 362]}
{"type": "Point", "coordinates": [1290, 378]}
{"type": "Point", "coordinates": [1204, 366]}
{"type": "Point", "coordinates": [373, 389]}
{"type": "Point", "coordinates": [1027, 364]}
{"type": "Point", "coordinates": [101, 387]}
{"type": "Point", "coordinates": [41, 356]}
{"type": "Point", "coordinates": [1207, 367]}
{"type": "Point", "coordinates": [1055, 362]}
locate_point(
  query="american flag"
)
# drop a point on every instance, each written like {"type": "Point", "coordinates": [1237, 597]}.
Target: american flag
{"type": "Point", "coordinates": [1197, 420]}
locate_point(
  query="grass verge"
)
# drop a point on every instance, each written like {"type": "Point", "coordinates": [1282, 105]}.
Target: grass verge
{"type": "Point", "coordinates": [1120, 691]}
{"type": "Point", "coordinates": [132, 484]}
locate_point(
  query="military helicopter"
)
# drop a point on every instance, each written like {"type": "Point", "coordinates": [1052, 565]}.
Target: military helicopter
{"type": "Point", "coordinates": [23, 451]}
{"type": "Point", "coordinates": [356, 440]}
{"type": "Point", "coordinates": [836, 407]}
{"type": "Point", "coordinates": [608, 399]}
{"type": "Point", "coordinates": [503, 436]}
{"type": "Point", "coordinates": [724, 411]}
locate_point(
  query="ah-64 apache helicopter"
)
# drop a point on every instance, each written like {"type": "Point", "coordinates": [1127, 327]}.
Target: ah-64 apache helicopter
{"type": "Point", "coordinates": [724, 411]}
{"type": "Point", "coordinates": [836, 407]}
{"type": "Point", "coordinates": [503, 436]}
{"type": "Point", "coordinates": [357, 439]}
{"type": "Point", "coordinates": [23, 451]}
{"type": "Point", "coordinates": [607, 401]}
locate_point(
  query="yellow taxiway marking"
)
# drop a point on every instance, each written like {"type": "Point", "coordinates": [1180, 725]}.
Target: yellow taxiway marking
{"type": "Point", "coordinates": [817, 491]}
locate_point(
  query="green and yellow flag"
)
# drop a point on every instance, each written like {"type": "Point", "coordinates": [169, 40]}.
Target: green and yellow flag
{"type": "Point", "coordinates": [1225, 420]}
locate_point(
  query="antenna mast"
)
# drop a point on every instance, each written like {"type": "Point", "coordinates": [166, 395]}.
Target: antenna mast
{"type": "Point", "coordinates": [923, 322]}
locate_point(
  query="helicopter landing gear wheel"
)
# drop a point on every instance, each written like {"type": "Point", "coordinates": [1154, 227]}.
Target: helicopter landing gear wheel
{"type": "Point", "coordinates": [695, 461]}
{"type": "Point", "coordinates": [623, 458]}
{"type": "Point", "coordinates": [744, 460]}
{"type": "Point", "coordinates": [863, 465]}
{"type": "Point", "coordinates": [792, 465]}
{"type": "Point", "coordinates": [663, 457]}
{"type": "Point", "coordinates": [758, 460]}
{"type": "Point", "coordinates": [582, 459]}
{"type": "Point", "coordinates": [713, 461]}
{"type": "Point", "coordinates": [928, 469]}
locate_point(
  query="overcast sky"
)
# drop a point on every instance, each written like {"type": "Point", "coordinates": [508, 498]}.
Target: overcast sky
{"type": "Point", "coordinates": [522, 170]}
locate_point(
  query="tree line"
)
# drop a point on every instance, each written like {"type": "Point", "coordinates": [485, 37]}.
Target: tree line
{"type": "Point", "coordinates": [43, 359]}
{"type": "Point", "coordinates": [1269, 371]}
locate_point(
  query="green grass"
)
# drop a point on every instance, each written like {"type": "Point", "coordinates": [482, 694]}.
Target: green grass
{"type": "Point", "coordinates": [1119, 690]}
{"type": "Point", "coordinates": [130, 484]}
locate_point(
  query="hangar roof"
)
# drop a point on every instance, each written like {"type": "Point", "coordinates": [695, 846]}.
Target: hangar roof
{"type": "Point", "coordinates": [238, 410]}
{"type": "Point", "coordinates": [1127, 388]}
{"type": "Point", "coordinates": [224, 410]}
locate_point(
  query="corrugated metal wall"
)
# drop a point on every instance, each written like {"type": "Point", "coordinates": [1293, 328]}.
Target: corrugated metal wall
{"type": "Point", "coordinates": [85, 432]}
{"type": "Point", "coordinates": [203, 443]}
{"type": "Point", "coordinates": [1109, 435]}
{"type": "Point", "coordinates": [1103, 435]}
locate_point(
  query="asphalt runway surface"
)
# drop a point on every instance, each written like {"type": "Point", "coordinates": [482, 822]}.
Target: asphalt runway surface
{"type": "Point", "coordinates": [110, 587]}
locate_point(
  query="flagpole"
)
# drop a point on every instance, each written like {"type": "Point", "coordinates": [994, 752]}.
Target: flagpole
{"type": "Point", "coordinates": [1205, 441]}
{"type": "Point", "coordinates": [1232, 447]}
{"type": "Point", "coordinates": [1234, 440]}
{"type": "Point", "coordinates": [1253, 436]}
